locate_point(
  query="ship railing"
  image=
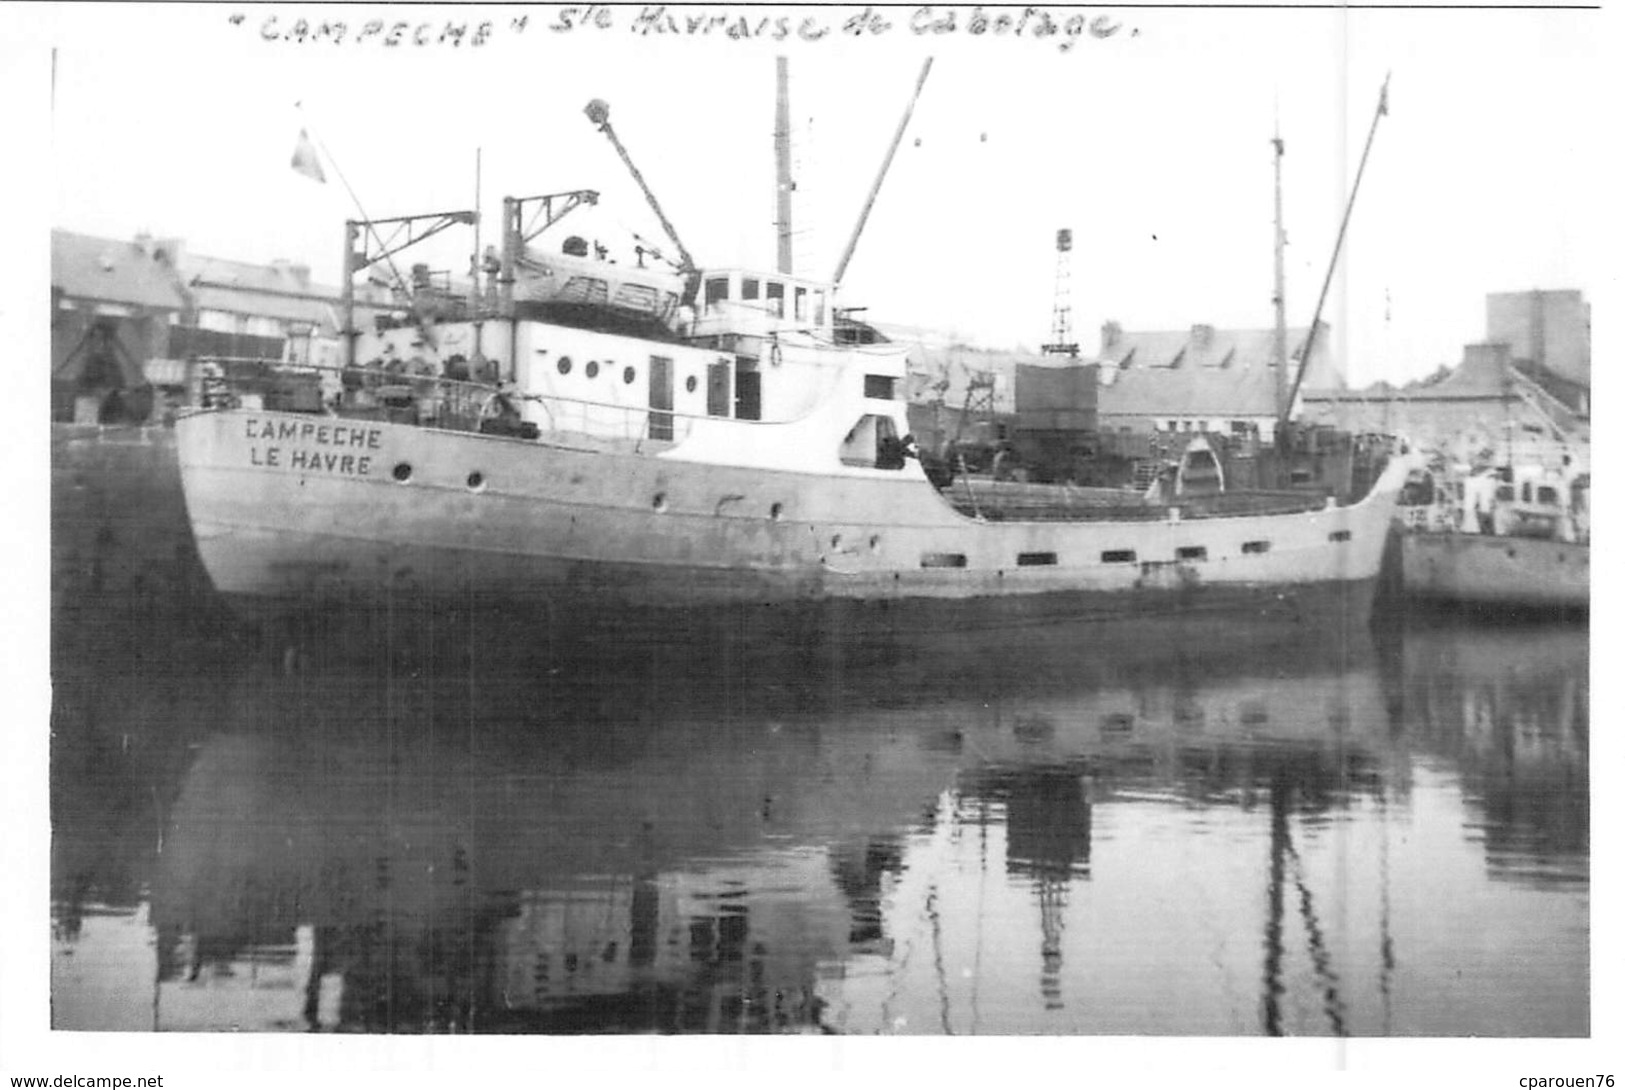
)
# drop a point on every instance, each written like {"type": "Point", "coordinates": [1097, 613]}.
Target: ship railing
{"type": "Point", "coordinates": [998, 501]}
{"type": "Point", "coordinates": [433, 400]}
{"type": "Point", "coordinates": [613, 420]}
{"type": "Point", "coordinates": [362, 391]}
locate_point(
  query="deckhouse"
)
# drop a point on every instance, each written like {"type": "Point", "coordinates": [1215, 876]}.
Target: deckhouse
{"type": "Point", "coordinates": [613, 355]}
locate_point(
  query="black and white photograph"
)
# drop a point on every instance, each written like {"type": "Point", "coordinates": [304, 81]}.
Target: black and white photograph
{"type": "Point", "coordinates": [856, 521]}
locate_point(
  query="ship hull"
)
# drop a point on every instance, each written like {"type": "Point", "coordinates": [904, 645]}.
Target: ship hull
{"type": "Point", "coordinates": [311, 513]}
{"type": "Point", "coordinates": [1498, 572]}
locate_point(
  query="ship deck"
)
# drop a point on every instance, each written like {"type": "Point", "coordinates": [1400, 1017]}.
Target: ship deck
{"type": "Point", "coordinates": [1019, 501]}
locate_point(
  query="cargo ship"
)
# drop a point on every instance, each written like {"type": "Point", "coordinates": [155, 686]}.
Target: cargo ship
{"type": "Point", "coordinates": [580, 431]}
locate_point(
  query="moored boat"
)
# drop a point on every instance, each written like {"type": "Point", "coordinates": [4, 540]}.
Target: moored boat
{"type": "Point", "coordinates": [1509, 537]}
{"type": "Point", "coordinates": [590, 434]}
{"type": "Point", "coordinates": [769, 466]}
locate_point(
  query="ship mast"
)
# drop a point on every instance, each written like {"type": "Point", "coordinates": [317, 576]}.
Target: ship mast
{"type": "Point", "coordinates": [1283, 406]}
{"type": "Point", "coordinates": [781, 160]}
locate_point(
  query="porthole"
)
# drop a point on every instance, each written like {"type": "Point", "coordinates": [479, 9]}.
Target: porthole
{"type": "Point", "coordinates": [402, 471]}
{"type": "Point", "coordinates": [629, 374]}
{"type": "Point", "coordinates": [564, 365]}
{"type": "Point", "coordinates": [592, 368]}
{"type": "Point", "coordinates": [660, 501]}
{"type": "Point", "coordinates": [874, 541]}
{"type": "Point", "coordinates": [692, 384]}
{"type": "Point", "coordinates": [776, 512]}
{"type": "Point", "coordinates": [476, 481]}
{"type": "Point", "coordinates": [835, 541]}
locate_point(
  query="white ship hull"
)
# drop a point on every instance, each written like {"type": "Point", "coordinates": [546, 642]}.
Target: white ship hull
{"type": "Point", "coordinates": [291, 509]}
{"type": "Point", "coordinates": [1486, 570]}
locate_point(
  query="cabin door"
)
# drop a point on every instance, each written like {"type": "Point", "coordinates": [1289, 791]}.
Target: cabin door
{"type": "Point", "coordinates": [718, 395]}
{"type": "Point", "coordinates": [660, 395]}
{"type": "Point", "coordinates": [747, 390]}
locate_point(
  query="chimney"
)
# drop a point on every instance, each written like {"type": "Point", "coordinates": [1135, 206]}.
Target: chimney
{"type": "Point", "coordinates": [1494, 357]}
{"type": "Point", "coordinates": [168, 251]}
{"type": "Point", "coordinates": [292, 271]}
{"type": "Point", "coordinates": [1111, 334]}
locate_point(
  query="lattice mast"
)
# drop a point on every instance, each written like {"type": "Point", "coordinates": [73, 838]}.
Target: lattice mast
{"type": "Point", "coordinates": [1061, 342]}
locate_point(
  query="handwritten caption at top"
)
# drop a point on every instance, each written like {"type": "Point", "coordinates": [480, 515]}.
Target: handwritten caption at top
{"type": "Point", "coordinates": [1064, 27]}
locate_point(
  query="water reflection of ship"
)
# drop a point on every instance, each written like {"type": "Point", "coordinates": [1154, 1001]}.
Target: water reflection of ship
{"type": "Point", "coordinates": [1509, 706]}
{"type": "Point", "coordinates": [665, 856]}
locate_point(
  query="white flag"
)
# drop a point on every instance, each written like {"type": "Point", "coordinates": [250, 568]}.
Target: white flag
{"type": "Point", "coordinates": [305, 159]}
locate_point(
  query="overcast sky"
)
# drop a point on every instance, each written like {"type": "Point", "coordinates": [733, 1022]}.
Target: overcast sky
{"type": "Point", "coordinates": [1151, 144]}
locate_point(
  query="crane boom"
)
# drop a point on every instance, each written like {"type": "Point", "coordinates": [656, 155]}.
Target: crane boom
{"type": "Point", "coordinates": [868, 205]}
{"type": "Point", "coordinates": [598, 113]}
{"type": "Point", "coordinates": [1314, 325]}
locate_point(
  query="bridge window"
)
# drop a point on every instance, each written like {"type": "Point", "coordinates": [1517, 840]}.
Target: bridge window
{"type": "Point", "coordinates": [775, 298]}
{"type": "Point", "coordinates": [801, 304]}
{"type": "Point", "coordinates": [1117, 556]}
{"type": "Point", "coordinates": [716, 291]}
{"type": "Point", "coordinates": [942, 560]}
{"type": "Point", "coordinates": [818, 308]}
{"type": "Point", "coordinates": [1191, 552]}
{"type": "Point", "coordinates": [1255, 546]}
{"type": "Point", "coordinates": [1030, 560]}
{"type": "Point", "coordinates": [750, 288]}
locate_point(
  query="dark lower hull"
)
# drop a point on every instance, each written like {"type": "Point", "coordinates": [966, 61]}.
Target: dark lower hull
{"type": "Point", "coordinates": [561, 629]}
{"type": "Point", "coordinates": [125, 571]}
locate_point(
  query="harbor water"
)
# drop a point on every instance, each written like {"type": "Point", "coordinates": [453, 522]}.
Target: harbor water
{"type": "Point", "coordinates": [1041, 829]}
